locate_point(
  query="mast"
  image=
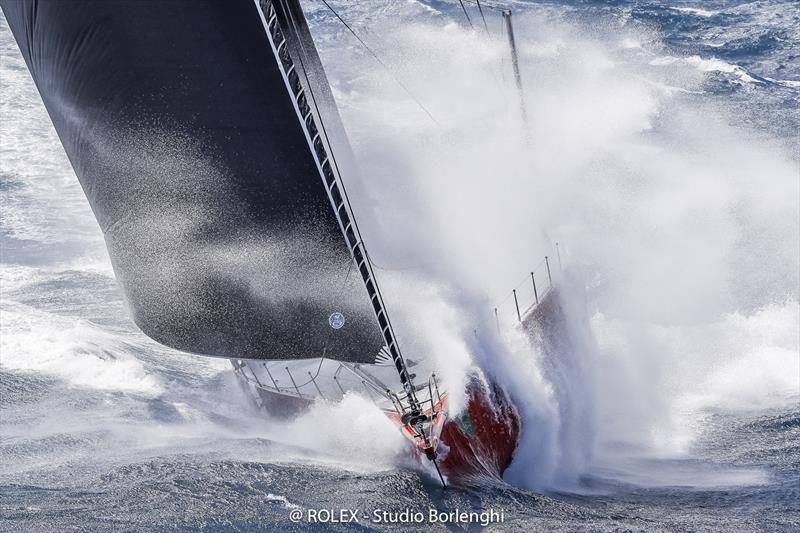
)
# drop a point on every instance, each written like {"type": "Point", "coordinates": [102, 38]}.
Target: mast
{"type": "Point", "coordinates": [515, 62]}
{"type": "Point", "coordinates": [305, 79]}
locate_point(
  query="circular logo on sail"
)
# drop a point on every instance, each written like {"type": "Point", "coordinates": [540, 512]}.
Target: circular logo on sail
{"type": "Point", "coordinates": [336, 320]}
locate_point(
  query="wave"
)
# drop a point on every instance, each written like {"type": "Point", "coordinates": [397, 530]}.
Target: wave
{"type": "Point", "coordinates": [76, 351]}
{"type": "Point", "coordinates": [696, 11]}
{"type": "Point", "coordinates": [708, 65]}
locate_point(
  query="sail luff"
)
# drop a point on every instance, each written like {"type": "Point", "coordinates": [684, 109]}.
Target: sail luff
{"type": "Point", "coordinates": [289, 14]}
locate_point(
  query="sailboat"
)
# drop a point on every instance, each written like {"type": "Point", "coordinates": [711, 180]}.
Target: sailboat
{"type": "Point", "coordinates": [208, 143]}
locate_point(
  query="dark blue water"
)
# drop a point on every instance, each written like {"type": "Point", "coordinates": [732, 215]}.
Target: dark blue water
{"type": "Point", "coordinates": [760, 37]}
{"type": "Point", "coordinates": [103, 430]}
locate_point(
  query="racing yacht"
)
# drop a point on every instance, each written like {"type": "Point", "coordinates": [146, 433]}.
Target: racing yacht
{"type": "Point", "coordinates": [208, 143]}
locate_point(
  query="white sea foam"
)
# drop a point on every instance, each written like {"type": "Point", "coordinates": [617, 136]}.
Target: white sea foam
{"type": "Point", "coordinates": [347, 429]}
{"type": "Point", "coordinates": [696, 11]}
{"type": "Point", "coordinates": [283, 500]}
{"type": "Point", "coordinates": [708, 65]}
{"type": "Point", "coordinates": [786, 83]}
{"type": "Point", "coordinates": [717, 65]}
{"type": "Point", "coordinates": [686, 228]}
{"type": "Point", "coordinates": [630, 44]}
{"type": "Point", "coordinates": [76, 351]}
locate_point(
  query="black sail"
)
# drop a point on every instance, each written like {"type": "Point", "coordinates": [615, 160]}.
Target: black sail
{"type": "Point", "coordinates": [178, 123]}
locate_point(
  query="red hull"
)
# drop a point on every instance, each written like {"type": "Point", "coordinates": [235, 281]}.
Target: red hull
{"type": "Point", "coordinates": [481, 442]}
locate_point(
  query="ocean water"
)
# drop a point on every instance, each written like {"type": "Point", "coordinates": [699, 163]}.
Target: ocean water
{"type": "Point", "coordinates": [661, 151]}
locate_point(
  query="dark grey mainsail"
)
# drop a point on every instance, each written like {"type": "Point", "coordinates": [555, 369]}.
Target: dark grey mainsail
{"type": "Point", "coordinates": [177, 120]}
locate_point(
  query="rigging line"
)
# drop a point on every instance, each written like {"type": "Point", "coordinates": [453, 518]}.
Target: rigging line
{"type": "Point", "coordinates": [400, 268]}
{"type": "Point", "coordinates": [384, 65]}
{"type": "Point", "coordinates": [464, 9]}
{"type": "Point", "coordinates": [331, 155]}
{"type": "Point", "coordinates": [410, 390]}
{"type": "Point", "coordinates": [313, 101]}
{"type": "Point", "coordinates": [480, 9]}
{"type": "Point", "coordinates": [329, 149]}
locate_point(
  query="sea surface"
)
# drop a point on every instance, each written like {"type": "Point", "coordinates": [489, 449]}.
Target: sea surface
{"type": "Point", "coordinates": [102, 429]}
